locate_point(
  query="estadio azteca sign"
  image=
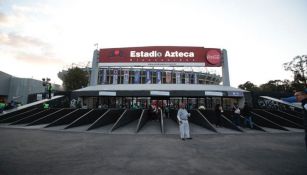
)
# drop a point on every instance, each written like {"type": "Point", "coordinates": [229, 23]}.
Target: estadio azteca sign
{"type": "Point", "coordinates": [161, 56]}
{"type": "Point", "coordinates": [167, 54]}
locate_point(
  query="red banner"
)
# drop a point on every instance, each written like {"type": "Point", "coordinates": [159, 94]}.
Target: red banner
{"type": "Point", "coordinates": [161, 56]}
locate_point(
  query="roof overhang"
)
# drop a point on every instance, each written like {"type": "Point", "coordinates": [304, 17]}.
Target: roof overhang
{"type": "Point", "coordinates": [171, 90]}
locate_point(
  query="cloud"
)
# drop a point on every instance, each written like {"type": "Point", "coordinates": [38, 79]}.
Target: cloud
{"type": "Point", "coordinates": [12, 21]}
{"type": "Point", "coordinates": [38, 59]}
{"type": "Point", "coordinates": [17, 15]}
{"type": "Point", "coordinates": [29, 50]}
{"type": "Point", "coordinates": [21, 41]}
{"type": "Point", "coordinates": [3, 18]}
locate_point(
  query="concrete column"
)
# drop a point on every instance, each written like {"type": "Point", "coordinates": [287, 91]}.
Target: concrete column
{"type": "Point", "coordinates": [94, 72]}
{"type": "Point", "coordinates": [225, 70]}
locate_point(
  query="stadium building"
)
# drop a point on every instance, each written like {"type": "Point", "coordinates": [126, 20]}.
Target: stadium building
{"type": "Point", "coordinates": [135, 76]}
{"type": "Point", "coordinates": [125, 82]}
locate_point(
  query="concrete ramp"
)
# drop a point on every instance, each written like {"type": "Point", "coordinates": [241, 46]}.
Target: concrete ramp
{"type": "Point", "coordinates": [151, 127]}
{"type": "Point", "coordinates": [198, 129]}
{"type": "Point", "coordinates": [67, 119]}
{"type": "Point", "coordinates": [229, 124]}
{"type": "Point", "coordinates": [37, 104]}
{"type": "Point", "coordinates": [210, 115]}
{"type": "Point", "coordinates": [264, 122]}
{"type": "Point", "coordinates": [129, 116]}
{"type": "Point", "coordinates": [87, 119]}
{"type": "Point", "coordinates": [21, 115]}
{"type": "Point", "coordinates": [34, 117]}
{"type": "Point", "coordinates": [142, 120]}
{"type": "Point", "coordinates": [199, 119]}
{"type": "Point", "coordinates": [52, 117]}
{"type": "Point", "coordinates": [229, 116]}
{"type": "Point", "coordinates": [14, 113]}
{"type": "Point", "coordinates": [170, 126]}
{"type": "Point", "coordinates": [294, 118]}
{"type": "Point", "coordinates": [132, 121]}
{"type": "Point", "coordinates": [109, 117]}
{"type": "Point", "coordinates": [277, 119]}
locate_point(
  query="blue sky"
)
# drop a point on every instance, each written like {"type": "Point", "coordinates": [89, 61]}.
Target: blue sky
{"type": "Point", "coordinates": [40, 38]}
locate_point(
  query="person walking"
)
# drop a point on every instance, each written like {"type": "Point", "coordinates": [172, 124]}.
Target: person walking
{"type": "Point", "coordinates": [246, 112]}
{"type": "Point", "coordinates": [301, 96]}
{"type": "Point", "coordinates": [236, 114]}
{"type": "Point", "coordinates": [182, 117]}
{"type": "Point", "coordinates": [218, 115]}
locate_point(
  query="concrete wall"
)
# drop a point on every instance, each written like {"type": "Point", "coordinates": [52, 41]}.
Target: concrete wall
{"type": "Point", "coordinates": [20, 88]}
{"type": "Point", "coordinates": [4, 83]}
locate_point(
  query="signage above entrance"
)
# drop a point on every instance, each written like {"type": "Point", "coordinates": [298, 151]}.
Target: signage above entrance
{"type": "Point", "coordinates": [107, 93]}
{"type": "Point", "coordinates": [172, 56]}
{"type": "Point", "coordinates": [213, 93]}
{"type": "Point", "coordinates": [159, 93]}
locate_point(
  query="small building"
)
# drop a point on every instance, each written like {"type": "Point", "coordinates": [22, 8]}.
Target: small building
{"type": "Point", "coordinates": [18, 89]}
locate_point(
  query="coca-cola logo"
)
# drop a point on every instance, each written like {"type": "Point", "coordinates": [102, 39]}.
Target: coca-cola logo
{"type": "Point", "coordinates": [116, 53]}
{"type": "Point", "coordinates": [213, 57]}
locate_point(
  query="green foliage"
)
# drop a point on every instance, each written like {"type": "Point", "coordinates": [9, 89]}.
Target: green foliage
{"type": "Point", "coordinates": [298, 66]}
{"type": "Point", "coordinates": [249, 86]}
{"type": "Point", "coordinates": [270, 86]}
{"type": "Point", "coordinates": [75, 78]}
{"type": "Point", "coordinates": [277, 86]}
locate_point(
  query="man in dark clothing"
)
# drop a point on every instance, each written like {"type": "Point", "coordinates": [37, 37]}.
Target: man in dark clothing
{"type": "Point", "coordinates": [246, 112]}
{"type": "Point", "coordinates": [301, 96]}
{"type": "Point", "coordinates": [218, 114]}
{"type": "Point", "coordinates": [49, 87]}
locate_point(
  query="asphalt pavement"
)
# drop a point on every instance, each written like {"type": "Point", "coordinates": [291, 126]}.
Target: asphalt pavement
{"type": "Point", "coordinates": [44, 152]}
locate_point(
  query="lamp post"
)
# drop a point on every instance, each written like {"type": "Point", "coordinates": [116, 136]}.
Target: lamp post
{"type": "Point", "coordinates": [47, 84]}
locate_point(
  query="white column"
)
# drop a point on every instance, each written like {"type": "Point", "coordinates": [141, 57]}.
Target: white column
{"type": "Point", "coordinates": [94, 72]}
{"type": "Point", "coordinates": [225, 70]}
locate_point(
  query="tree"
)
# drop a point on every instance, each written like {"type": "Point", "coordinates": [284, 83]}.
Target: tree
{"type": "Point", "coordinates": [249, 86]}
{"type": "Point", "coordinates": [74, 78]}
{"type": "Point", "coordinates": [276, 86]}
{"type": "Point", "coordinates": [298, 66]}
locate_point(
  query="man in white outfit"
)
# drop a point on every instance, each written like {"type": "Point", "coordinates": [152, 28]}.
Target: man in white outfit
{"type": "Point", "coordinates": [182, 117]}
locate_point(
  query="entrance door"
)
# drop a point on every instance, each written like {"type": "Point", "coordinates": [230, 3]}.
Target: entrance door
{"type": "Point", "coordinates": [215, 101]}
{"type": "Point", "coordinates": [161, 102]}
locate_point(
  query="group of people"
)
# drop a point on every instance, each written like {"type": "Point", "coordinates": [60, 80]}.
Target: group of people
{"type": "Point", "coordinates": [236, 115]}
{"type": "Point", "coordinates": [7, 106]}
{"type": "Point", "coordinates": [183, 115]}
{"type": "Point", "coordinates": [154, 109]}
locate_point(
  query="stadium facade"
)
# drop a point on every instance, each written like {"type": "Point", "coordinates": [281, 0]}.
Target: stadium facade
{"type": "Point", "coordinates": [135, 76]}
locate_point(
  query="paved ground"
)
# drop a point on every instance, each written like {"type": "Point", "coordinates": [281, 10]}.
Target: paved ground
{"type": "Point", "coordinates": [30, 151]}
